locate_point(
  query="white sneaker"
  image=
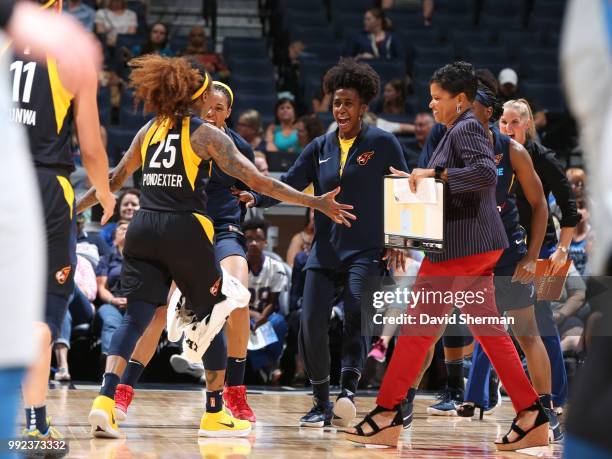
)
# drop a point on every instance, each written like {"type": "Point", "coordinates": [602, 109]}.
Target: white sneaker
{"type": "Point", "coordinates": [177, 317]}
{"type": "Point", "coordinates": [183, 366]}
{"type": "Point", "coordinates": [199, 335]}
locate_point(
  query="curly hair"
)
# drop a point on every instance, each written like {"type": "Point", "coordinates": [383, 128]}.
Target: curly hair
{"type": "Point", "coordinates": [456, 78]}
{"type": "Point", "coordinates": [166, 84]}
{"type": "Point", "coordinates": [351, 74]}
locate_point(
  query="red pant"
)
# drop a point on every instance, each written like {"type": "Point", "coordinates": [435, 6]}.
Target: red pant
{"type": "Point", "coordinates": [410, 351]}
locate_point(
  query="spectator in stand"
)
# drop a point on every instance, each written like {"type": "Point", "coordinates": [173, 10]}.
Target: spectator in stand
{"type": "Point", "coordinates": [377, 41]}
{"type": "Point", "coordinates": [309, 127]}
{"type": "Point", "coordinates": [91, 246]}
{"type": "Point", "coordinates": [249, 128]}
{"type": "Point", "coordinates": [80, 311]}
{"type": "Point", "coordinates": [301, 242]}
{"type": "Point", "coordinates": [116, 18]}
{"type": "Point", "coordinates": [582, 241]}
{"type": "Point", "coordinates": [108, 275]}
{"type": "Point", "coordinates": [261, 163]}
{"type": "Point", "coordinates": [508, 84]}
{"type": "Point", "coordinates": [82, 12]}
{"type": "Point", "coordinates": [393, 101]}
{"type": "Point", "coordinates": [197, 47]}
{"type": "Point", "coordinates": [577, 179]}
{"type": "Point", "coordinates": [157, 43]}
{"type": "Point", "coordinates": [267, 279]}
{"type": "Point", "coordinates": [127, 205]}
{"type": "Point", "coordinates": [423, 123]}
{"type": "Point", "coordinates": [282, 135]}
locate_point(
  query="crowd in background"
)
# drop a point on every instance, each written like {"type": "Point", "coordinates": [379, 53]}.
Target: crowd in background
{"type": "Point", "coordinates": [295, 112]}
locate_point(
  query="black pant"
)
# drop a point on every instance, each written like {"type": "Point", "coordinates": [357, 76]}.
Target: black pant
{"type": "Point", "coordinates": [319, 293]}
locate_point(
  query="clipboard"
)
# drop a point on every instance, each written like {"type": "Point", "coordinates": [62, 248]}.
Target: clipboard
{"type": "Point", "coordinates": [550, 288]}
{"type": "Point", "coordinates": [414, 221]}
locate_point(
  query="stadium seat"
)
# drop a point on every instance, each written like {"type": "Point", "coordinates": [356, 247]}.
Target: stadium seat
{"type": "Point", "coordinates": [410, 38]}
{"type": "Point", "coordinates": [447, 22]}
{"type": "Point", "coordinates": [311, 18]}
{"type": "Point", "coordinates": [252, 84]}
{"type": "Point", "coordinates": [543, 73]}
{"type": "Point", "coordinates": [516, 41]}
{"type": "Point", "coordinates": [550, 9]}
{"type": "Point", "coordinates": [454, 6]}
{"type": "Point", "coordinates": [178, 43]}
{"type": "Point", "coordinates": [545, 24]}
{"type": "Point", "coordinates": [495, 23]}
{"type": "Point", "coordinates": [388, 70]}
{"type": "Point", "coordinates": [257, 67]}
{"type": "Point", "coordinates": [351, 5]}
{"type": "Point", "coordinates": [424, 71]}
{"type": "Point", "coordinates": [312, 35]}
{"type": "Point", "coordinates": [327, 52]}
{"type": "Point", "coordinates": [489, 54]}
{"type": "Point", "coordinates": [263, 103]}
{"type": "Point", "coordinates": [539, 55]}
{"type": "Point", "coordinates": [402, 20]}
{"type": "Point", "coordinates": [244, 48]}
{"type": "Point", "coordinates": [505, 8]}
{"type": "Point", "coordinates": [438, 55]}
{"type": "Point", "coordinates": [545, 96]}
{"type": "Point", "coordinates": [300, 5]}
{"type": "Point", "coordinates": [345, 23]}
{"type": "Point", "coordinates": [119, 140]}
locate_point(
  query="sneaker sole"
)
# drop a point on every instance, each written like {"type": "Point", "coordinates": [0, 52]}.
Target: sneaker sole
{"type": "Point", "coordinates": [312, 425]}
{"type": "Point", "coordinates": [345, 411]}
{"type": "Point", "coordinates": [434, 412]}
{"type": "Point", "coordinates": [101, 425]}
{"type": "Point", "coordinates": [224, 433]}
{"type": "Point", "coordinates": [173, 332]}
{"type": "Point", "coordinates": [181, 365]}
{"type": "Point", "coordinates": [120, 415]}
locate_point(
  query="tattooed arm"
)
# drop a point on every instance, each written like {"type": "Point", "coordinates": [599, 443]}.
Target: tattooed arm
{"type": "Point", "coordinates": [209, 142]}
{"type": "Point", "coordinates": [130, 162]}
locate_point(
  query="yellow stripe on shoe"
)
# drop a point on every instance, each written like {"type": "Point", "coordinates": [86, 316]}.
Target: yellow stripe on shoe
{"type": "Point", "coordinates": [222, 424]}
{"type": "Point", "coordinates": [102, 418]}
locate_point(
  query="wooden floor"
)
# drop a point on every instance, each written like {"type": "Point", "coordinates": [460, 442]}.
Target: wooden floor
{"type": "Point", "coordinates": [164, 424]}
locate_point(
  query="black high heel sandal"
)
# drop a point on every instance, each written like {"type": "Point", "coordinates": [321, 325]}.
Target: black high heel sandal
{"type": "Point", "coordinates": [468, 409]}
{"type": "Point", "coordinates": [387, 436]}
{"type": "Point", "coordinates": [536, 436]}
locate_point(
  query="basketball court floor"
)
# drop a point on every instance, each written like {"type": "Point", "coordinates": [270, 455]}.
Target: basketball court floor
{"type": "Point", "coordinates": [163, 423]}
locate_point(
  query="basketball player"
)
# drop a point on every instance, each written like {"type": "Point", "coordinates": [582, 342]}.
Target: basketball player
{"type": "Point", "coordinates": [515, 270]}
{"type": "Point", "coordinates": [170, 238]}
{"type": "Point", "coordinates": [230, 252]}
{"type": "Point", "coordinates": [47, 107]}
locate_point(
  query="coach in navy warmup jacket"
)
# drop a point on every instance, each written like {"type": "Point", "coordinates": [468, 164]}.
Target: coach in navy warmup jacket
{"type": "Point", "coordinates": [355, 158]}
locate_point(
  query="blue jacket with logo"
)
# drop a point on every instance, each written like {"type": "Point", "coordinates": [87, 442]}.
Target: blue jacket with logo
{"type": "Point", "coordinates": [368, 161]}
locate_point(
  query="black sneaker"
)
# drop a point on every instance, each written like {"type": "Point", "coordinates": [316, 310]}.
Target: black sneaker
{"type": "Point", "coordinates": [406, 408]}
{"type": "Point", "coordinates": [447, 404]}
{"type": "Point", "coordinates": [555, 433]}
{"type": "Point", "coordinates": [319, 416]}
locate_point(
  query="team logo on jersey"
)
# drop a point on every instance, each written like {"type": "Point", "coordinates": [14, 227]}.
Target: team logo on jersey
{"type": "Point", "coordinates": [62, 275]}
{"type": "Point", "coordinates": [498, 158]}
{"type": "Point", "coordinates": [363, 158]}
{"type": "Point", "coordinates": [214, 290]}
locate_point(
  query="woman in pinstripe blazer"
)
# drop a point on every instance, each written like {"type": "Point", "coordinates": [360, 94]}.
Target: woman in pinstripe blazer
{"type": "Point", "coordinates": [475, 239]}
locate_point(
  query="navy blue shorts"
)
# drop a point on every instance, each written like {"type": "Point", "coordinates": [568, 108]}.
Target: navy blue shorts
{"type": "Point", "coordinates": [60, 226]}
{"type": "Point", "coordinates": [229, 243]}
{"type": "Point", "coordinates": [512, 295]}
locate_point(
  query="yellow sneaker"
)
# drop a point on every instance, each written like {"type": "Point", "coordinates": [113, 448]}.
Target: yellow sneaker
{"type": "Point", "coordinates": [102, 418]}
{"type": "Point", "coordinates": [55, 444]}
{"type": "Point", "coordinates": [222, 424]}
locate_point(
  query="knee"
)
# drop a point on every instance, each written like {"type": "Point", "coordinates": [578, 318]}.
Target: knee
{"type": "Point", "coordinates": [233, 289]}
{"type": "Point", "coordinates": [529, 342]}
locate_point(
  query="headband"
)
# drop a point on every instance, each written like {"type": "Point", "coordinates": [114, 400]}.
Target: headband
{"type": "Point", "coordinates": [203, 88]}
{"type": "Point", "coordinates": [488, 100]}
{"type": "Point", "coordinates": [228, 89]}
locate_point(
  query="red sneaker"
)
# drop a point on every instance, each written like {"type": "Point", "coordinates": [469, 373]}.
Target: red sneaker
{"type": "Point", "coordinates": [123, 397]}
{"type": "Point", "coordinates": [235, 399]}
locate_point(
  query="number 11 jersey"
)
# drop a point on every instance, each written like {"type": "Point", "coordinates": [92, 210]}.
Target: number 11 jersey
{"type": "Point", "coordinates": [173, 175]}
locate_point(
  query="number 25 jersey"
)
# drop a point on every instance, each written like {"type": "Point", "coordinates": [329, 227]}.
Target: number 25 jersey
{"type": "Point", "coordinates": [173, 175]}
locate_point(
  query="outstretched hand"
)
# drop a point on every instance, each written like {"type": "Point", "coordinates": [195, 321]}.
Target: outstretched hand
{"type": "Point", "coordinates": [334, 210]}
{"type": "Point", "coordinates": [244, 196]}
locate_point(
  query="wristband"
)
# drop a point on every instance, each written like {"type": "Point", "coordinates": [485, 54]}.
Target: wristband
{"type": "Point", "coordinates": [438, 172]}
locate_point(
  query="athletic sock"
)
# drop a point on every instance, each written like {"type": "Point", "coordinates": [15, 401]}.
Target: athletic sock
{"type": "Point", "coordinates": [214, 401]}
{"type": "Point", "coordinates": [411, 395]}
{"type": "Point", "coordinates": [234, 374]}
{"type": "Point", "coordinates": [320, 391]}
{"type": "Point", "coordinates": [109, 384]}
{"type": "Point", "coordinates": [454, 369]}
{"type": "Point", "coordinates": [36, 418]}
{"type": "Point", "coordinates": [546, 400]}
{"type": "Point", "coordinates": [349, 381]}
{"type": "Point", "coordinates": [132, 373]}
